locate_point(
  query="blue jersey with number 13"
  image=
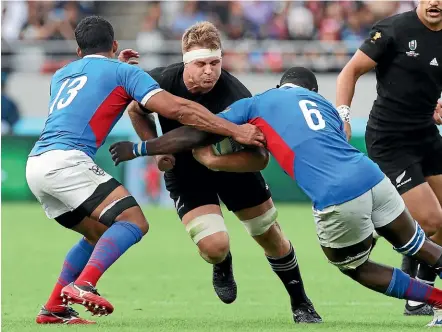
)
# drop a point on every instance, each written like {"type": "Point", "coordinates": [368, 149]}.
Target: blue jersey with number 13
{"type": "Point", "coordinates": [88, 97]}
{"type": "Point", "coordinates": [305, 135]}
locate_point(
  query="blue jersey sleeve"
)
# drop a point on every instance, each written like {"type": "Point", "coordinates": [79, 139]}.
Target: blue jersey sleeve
{"type": "Point", "coordinates": [137, 83]}
{"type": "Point", "coordinates": [239, 112]}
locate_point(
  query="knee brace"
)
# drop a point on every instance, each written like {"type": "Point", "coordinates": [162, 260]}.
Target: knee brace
{"type": "Point", "coordinates": [352, 263]}
{"type": "Point", "coordinates": [261, 224]}
{"type": "Point", "coordinates": [204, 226]}
{"type": "Point", "coordinates": [114, 209]}
{"type": "Point", "coordinates": [415, 243]}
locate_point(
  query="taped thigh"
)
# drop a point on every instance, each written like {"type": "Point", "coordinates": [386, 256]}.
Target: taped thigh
{"type": "Point", "coordinates": [353, 262]}
{"type": "Point", "coordinates": [204, 226]}
{"type": "Point", "coordinates": [113, 210]}
{"type": "Point", "coordinates": [261, 224]}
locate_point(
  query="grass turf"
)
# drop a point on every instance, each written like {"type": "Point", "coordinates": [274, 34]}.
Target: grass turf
{"type": "Point", "coordinates": [162, 284]}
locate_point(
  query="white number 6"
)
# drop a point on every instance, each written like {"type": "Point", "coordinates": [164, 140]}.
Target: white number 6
{"type": "Point", "coordinates": [308, 112]}
{"type": "Point", "coordinates": [76, 84]}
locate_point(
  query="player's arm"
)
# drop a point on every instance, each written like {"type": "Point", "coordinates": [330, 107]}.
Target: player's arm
{"type": "Point", "coordinates": [144, 89]}
{"type": "Point", "coordinates": [364, 60]}
{"type": "Point", "coordinates": [142, 121]}
{"type": "Point", "coordinates": [249, 159]}
{"type": "Point", "coordinates": [177, 140]}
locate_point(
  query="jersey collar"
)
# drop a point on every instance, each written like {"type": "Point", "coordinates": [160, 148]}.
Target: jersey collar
{"type": "Point", "coordinates": [289, 85]}
{"type": "Point", "coordinates": [94, 56]}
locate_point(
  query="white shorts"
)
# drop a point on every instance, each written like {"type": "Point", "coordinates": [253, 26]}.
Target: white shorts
{"type": "Point", "coordinates": [63, 180]}
{"type": "Point", "coordinates": [349, 223]}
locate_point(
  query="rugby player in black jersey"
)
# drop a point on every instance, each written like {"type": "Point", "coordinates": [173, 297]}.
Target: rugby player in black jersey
{"type": "Point", "coordinates": [196, 190]}
{"type": "Point", "coordinates": [401, 135]}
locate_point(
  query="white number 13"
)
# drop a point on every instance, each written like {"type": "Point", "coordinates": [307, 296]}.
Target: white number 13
{"type": "Point", "coordinates": [75, 85]}
{"type": "Point", "coordinates": [308, 112]}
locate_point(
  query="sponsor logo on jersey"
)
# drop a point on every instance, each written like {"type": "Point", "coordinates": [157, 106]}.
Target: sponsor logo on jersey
{"type": "Point", "coordinates": [434, 62]}
{"type": "Point", "coordinates": [412, 45]}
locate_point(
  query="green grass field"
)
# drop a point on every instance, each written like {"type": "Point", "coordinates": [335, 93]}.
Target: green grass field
{"type": "Point", "coordinates": [162, 284]}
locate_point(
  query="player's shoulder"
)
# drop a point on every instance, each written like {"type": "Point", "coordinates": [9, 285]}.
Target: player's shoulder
{"type": "Point", "coordinates": [167, 75]}
{"type": "Point", "coordinates": [232, 85]}
{"type": "Point", "coordinates": [396, 22]}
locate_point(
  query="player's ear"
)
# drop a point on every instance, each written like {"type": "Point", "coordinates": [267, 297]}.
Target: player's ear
{"type": "Point", "coordinates": [114, 46]}
{"type": "Point", "coordinates": [79, 52]}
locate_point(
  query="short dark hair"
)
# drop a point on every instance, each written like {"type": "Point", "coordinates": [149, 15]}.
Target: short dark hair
{"type": "Point", "coordinates": [94, 34]}
{"type": "Point", "coordinates": [300, 76]}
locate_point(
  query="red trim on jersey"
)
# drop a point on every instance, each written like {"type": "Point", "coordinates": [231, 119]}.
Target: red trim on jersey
{"type": "Point", "coordinates": [283, 154]}
{"type": "Point", "coordinates": [106, 114]}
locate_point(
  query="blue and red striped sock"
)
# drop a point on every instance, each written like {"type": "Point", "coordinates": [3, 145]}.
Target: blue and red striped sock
{"type": "Point", "coordinates": [74, 263]}
{"type": "Point", "coordinates": [112, 244]}
{"type": "Point", "coordinates": [402, 286]}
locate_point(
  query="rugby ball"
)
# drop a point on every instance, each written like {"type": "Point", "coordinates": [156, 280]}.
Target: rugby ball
{"type": "Point", "coordinates": [226, 146]}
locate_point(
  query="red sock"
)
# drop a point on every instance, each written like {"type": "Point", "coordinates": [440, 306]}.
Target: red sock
{"type": "Point", "coordinates": [435, 298]}
{"type": "Point", "coordinates": [88, 276]}
{"type": "Point", "coordinates": [55, 302]}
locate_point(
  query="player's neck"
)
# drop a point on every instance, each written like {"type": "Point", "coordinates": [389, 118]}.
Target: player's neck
{"type": "Point", "coordinates": [433, 27]}
{"type": "Point", "coordinates": [191, 86]}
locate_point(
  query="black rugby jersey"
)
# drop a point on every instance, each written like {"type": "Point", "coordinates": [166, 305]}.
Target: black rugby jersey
{"type": "Point", "coordinates": [226, 91]}
{"type": "Point", "coordinates": [408, 73]}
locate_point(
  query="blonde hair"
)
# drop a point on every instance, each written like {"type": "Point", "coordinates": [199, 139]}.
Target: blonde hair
{"type": "Point", "coordinates": [202, 34]}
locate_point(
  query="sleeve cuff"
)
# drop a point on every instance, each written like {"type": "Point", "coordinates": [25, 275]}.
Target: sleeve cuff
{"type": "Point", "coordinates": [149, 95]}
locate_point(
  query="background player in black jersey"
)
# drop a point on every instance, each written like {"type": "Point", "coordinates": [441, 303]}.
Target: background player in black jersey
{"type": "Point", "coordinates": [401, 135]}
{"type": "Point", "coordinates": [195, 189]}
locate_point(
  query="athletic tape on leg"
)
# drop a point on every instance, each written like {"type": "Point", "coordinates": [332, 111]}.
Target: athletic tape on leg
{"type": "Point", "coordinates": [204, 226]}
{"type": "Point", "coordinates": [352, 263]}
{"type": "Point", "coordinates": [114, 209]}
{"type": "Point", "coordinates": [415, 243]}
{"type": "Point", "coordinates": [261, 224]}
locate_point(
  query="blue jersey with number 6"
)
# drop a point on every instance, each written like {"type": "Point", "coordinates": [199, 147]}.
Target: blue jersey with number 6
{"type": "Point", "coordinates": [306, 136]}
{"type": "Point", "coordinates": [87, 98]}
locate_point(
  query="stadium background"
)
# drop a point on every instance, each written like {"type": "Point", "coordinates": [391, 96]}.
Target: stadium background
{"type": "Point", "coordinates": [260, 40]}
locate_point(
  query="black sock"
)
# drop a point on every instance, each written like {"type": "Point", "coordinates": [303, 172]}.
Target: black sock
{"type": "Point", "coordinates": [426, 274]}
{"type": "Point", "coordinates": [226, 263]}
{"type": "Point", "coordinates": [409, 266]}
{"type": "Point", "coordinates": [287, 269]}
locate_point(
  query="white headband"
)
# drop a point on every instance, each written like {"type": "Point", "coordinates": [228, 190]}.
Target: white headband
{"type": "Point", "coordinates": [200, 54]}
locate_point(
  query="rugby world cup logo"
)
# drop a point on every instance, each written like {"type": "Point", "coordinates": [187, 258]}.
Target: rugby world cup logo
{"type": "Point", "coordinates": [412, 45]}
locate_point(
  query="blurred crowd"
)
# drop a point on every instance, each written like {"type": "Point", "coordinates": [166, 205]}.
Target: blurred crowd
{"type": "Point", "coordinates": [275, 20]}
{"type": "Point", "coordinates": [42, 20]}
{"type": "Point", "coordinates": [258, 35]}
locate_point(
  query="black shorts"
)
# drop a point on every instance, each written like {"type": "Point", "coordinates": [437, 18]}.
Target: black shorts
{"type": "Point", "coordinates": [407, 158]}
{"type": "Point", "coordinates": [237, 191]}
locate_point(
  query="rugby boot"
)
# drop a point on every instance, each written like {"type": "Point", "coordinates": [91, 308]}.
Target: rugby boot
{"type": "Point", "coordinates": [422, 309]}
{"type": "Point", "coordinates": [305, 313]}
{"type": "Point", "coordinates": [87, 296]}
{"type": "Point", "coordinates": [223, 280]}
{"type": "Point", "coordinates": [66, 316]}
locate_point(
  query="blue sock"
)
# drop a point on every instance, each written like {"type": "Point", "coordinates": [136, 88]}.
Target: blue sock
{"type": "Point", "coordinates": [403, 287]}
{"type": "Point", "coordinates": [112, 244]}
{"type": "Point", "coordinates": [74, 263]}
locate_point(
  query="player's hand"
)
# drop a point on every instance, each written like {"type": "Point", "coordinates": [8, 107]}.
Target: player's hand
{"type": "Point", "coordinates": [122, 151]}
{"type": "Point", "coordinates": [165, 162]}
{"type": "Point", "coordinates": [347, 129]}
{"type": "Point", "coordinates": [250, 135]}
{"type": "Point", "coordinates": [128, 55]}
{"type": "Point", "coordinates": [437, 116]}
{"type": "Point", "coordinates": [204, 155]}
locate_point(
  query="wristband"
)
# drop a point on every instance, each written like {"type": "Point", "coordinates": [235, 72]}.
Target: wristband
{"type": "Point", "coordinates": [344, 113]}
{"type": "Point", "coordinates": [139, 149]}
